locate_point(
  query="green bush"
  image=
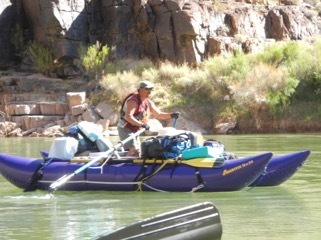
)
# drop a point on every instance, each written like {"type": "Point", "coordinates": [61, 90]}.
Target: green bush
{"type": "Point", "coordinates": [307, 68]}
{"type": "Point", "coordinates": [93, 60]}
{"type": "Point", "coordinates": [261, 81]}
{"type": "Point", "coordinates": [279, 53]}
{"type": "Point", "coordinates": [41, 57]}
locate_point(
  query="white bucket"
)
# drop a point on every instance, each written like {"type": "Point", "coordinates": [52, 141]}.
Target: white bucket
{"type": "Point", "coordinates": [63, 148]}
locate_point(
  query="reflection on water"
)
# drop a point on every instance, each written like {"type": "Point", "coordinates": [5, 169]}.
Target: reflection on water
{"type": "Point", "coordinates": [290, 211]}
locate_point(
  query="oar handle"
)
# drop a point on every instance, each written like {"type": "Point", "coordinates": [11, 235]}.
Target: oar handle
{"type": "Point", "coordinates": [110, 151]}
{"type": "Point", "coordinates": [175, 122]}
{"type": "Point", "coordinates": [121, 143]}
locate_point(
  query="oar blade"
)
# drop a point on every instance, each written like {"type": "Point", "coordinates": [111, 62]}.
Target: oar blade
{"type": "Point", "coordinates": [199, 221]}
{"type": "Point", "coordinates": [61, 181]}
{"type": "Point", "coordinates": [205, 162]}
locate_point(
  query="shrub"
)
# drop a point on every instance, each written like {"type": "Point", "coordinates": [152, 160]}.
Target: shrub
{"type": "Point", "coordinates": [306, 67]}
{"type": "Point", "coordinates": [222, 70]}
{"type": "Point", "coordinates": [117, 86]}
{"type": "Point", "coordinates": [41, 57]}
{"type": "Point", "coordinates": [166, 95]}
{"type": "Point", "coordinates": [264, 87]}
{"type": "Point", "coordinates": [93, 60]}
{"type": "Point", "coordinates": [279, 53]}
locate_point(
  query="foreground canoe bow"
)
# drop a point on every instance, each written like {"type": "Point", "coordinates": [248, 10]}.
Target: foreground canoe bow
{"type": "Point", "coordinates": [198, 222]}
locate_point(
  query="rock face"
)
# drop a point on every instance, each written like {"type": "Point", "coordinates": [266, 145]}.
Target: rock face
{"type": "Point", "coordinates": [7, 19]}
{"type": "Point", "coordinates": [33, 101]}
{"type": "Point", "coordinates": [175, 30]}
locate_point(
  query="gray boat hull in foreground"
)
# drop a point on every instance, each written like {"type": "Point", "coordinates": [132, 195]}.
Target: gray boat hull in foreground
{"type": "Point", "coordinates": [198, 222]}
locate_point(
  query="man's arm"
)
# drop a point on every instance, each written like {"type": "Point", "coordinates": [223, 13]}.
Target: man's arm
{"type": "Point", "coordinates": [158, 113]}
{"type": "Point", "coordinates": [130, 110]}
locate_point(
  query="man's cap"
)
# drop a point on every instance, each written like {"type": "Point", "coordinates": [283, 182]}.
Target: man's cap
{"type": "Point", "coordinates": [146, 84]}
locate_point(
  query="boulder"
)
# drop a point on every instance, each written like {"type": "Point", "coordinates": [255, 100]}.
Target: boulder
{"type": "Point", "coordinates": [105, 111]}
{"type": "Point", "coordinates": [78, 109]}
{"type": "Point", "coordinates": [53, 108]}
{"type": "Point", "coordinates": [76, 98]}
{"type": "Point", "coordinates": [90, 116]}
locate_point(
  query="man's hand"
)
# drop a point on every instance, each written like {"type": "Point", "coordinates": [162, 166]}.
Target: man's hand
{"type": "Point", "coordinates": [175, 115]}
{"type": "Point", "coordinates": [146, 126]}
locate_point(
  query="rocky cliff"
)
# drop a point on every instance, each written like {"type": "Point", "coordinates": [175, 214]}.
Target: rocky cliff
{"type": "Point", "coordinates": [175, 30]}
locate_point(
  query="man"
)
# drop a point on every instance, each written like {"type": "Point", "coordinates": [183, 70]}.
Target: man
{"type": "Point", "coordinates": [135, 112]}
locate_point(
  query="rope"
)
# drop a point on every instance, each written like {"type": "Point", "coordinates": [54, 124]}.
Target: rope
{"type": "Point", "coordinates": [155, 189]}
{"type": "Point", "coordinates": [150, 175]}
{"type": "Point", "coordinates": [142, 170]}
{"type": "Point", "coordinates": [199, 179]}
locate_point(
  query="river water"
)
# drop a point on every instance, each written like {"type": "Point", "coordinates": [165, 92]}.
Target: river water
{"type": "Point", "coordinates": [289, 211]}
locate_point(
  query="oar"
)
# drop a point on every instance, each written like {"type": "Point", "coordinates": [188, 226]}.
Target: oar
{"type": "Point", "coordinates": [196, 162]}
{"type": "Point", "coordinates": [199, 221]}
{"type": "Point", "coordinates": [58, 183]}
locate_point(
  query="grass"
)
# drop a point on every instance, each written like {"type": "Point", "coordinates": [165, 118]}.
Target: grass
{"type": "Point", "coordinates": [270, 85]}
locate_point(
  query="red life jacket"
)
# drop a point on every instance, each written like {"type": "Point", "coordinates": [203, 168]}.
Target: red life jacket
{"type": "Point", "coordinates": [141, 113]}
